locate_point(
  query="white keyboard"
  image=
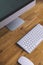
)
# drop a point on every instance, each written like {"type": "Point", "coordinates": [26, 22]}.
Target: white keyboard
{"type": "Point", "coordinates": [32, 39]}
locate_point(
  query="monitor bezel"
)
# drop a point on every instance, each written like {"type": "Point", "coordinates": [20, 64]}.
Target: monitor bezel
{"type": "Point", "coordinates": [11, 13]}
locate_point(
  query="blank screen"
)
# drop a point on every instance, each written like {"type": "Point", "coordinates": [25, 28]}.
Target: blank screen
{"type": "Point", "coordinates": [8, 7]}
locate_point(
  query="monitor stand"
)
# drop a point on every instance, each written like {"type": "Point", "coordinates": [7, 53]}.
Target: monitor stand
{"type": "Point", "coordinates": [15, 24]}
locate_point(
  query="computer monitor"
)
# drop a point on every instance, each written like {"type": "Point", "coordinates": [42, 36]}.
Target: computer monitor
{"type": "Point", "coordinates": [10, 10]}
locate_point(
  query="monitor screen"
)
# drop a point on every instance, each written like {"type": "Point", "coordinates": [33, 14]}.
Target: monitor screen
{"type": "Point", "coordinates": [8, 7]}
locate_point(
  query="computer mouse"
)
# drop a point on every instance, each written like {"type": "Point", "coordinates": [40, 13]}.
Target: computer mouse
{"type": "Point", "coordinates": [24, 61]}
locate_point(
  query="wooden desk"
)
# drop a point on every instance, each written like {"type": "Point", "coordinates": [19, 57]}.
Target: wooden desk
{"type": "Point", "coordinates": [10, 51]}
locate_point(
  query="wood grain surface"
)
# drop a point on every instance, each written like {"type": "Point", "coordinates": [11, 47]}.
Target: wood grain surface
{"type": "Point", "coordinates": [9, 50]}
